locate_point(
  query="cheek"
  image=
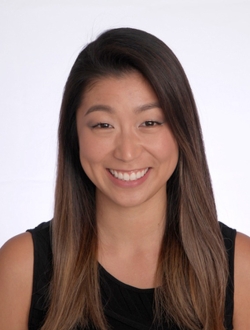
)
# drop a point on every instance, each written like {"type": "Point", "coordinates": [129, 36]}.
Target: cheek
{"type": "Point", "coordinates": [92, 150]}
{"type": "Point", "coordinates": [88, 155]}
{"type": "Point", "coordinates": [167, 145]}
{"type": "Point", "coordinates": [89, 158]}
{"type": "Point", "coordinates": [168, 152]}
{"type": "Point", "coordinates": [173, 150]}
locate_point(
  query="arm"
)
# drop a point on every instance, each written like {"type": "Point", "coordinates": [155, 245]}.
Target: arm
{"type": "Point", "coordinates": [242, 283]}
{"type": "Point", "coordinates": [16, 275]}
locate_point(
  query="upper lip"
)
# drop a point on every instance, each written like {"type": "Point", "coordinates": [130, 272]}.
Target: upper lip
{"type": "Point", "coordinates": [129, 171]}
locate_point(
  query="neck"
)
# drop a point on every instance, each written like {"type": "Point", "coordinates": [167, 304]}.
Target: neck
{"type": "Point", "coordinates": [138, 226]}
{"type": "Point", "coordinates": [129, 240]}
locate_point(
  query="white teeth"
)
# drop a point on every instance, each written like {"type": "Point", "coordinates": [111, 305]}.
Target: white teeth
{"type": "Point", "coordinates": [126, 177]}
{"type": "Point", "coordinates": [129, 177]}
{"type": "Point", "coordinates": [132, 176]}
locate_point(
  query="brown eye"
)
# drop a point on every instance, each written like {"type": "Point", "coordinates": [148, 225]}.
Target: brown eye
{"type": "Point", "coordinates": [102, 125]}
{"type": "Point", "coordinates": [150, 123]}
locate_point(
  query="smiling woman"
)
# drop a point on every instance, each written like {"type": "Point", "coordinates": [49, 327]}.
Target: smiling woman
{"type": "Point", "coordinates": [126, 146]}
{"type": "Point", "coordinates": [134, 242]}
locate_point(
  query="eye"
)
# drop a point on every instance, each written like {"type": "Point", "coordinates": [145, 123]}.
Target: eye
{"type": "Point", "coordinates": [102, 125]}
{"type": "Point", "coordinates": [151, 123]}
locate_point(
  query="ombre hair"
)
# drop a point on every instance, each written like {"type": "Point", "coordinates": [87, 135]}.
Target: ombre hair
{"type": "Point", "coordinates": [192, 263]}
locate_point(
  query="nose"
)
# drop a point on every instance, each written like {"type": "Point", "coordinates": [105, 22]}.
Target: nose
{"type": "Point", "coordinates": [127, 146]}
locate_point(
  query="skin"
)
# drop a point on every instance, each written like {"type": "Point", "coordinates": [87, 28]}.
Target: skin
{"type": "Point", "coordinates": [121, 128]}
{"type": "Point", "coordinates": [140, 140]}
{"type": "Point", "coordinates": [16, 272]}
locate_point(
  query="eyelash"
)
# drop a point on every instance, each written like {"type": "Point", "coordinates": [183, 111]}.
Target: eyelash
{"type": "Point", "coordinates": [147, 123]}
{"type": "Point", "coordinates": [151, 123]}
{"type": "Point", "coordinates": [102, 125]}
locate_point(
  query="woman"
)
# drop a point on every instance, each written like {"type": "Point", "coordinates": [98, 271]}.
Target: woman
{"type": "Point", "coordinates": [135, 242]}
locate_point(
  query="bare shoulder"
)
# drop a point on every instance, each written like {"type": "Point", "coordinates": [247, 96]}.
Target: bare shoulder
{"type": "Point", "coordinates": [242, 282]}
{"type": "Point", "coordinates": [16, 275]}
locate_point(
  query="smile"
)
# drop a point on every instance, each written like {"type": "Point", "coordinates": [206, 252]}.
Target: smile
{"type": "Point", "coordinates": [131, 176]}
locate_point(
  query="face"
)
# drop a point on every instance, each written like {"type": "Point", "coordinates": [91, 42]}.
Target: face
{"type": "Point", "coordinates": [126, 147]}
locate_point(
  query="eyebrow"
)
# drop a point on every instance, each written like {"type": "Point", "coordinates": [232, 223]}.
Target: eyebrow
{"type": "Point", "coordinates": [106, 108]}
{"type": "Point", "coordinates": [99, 107]}
{"type": "Point", "coordinates": [148, 106]}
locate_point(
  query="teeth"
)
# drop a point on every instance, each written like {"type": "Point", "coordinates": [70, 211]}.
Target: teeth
{"type": "Point", "coordinates": [129, 177]}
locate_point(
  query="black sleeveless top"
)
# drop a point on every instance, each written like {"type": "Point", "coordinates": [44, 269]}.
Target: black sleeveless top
{"type": "Point", "coordinates": [125, 307]}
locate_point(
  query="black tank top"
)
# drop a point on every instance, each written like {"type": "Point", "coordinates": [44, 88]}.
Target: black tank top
{"type": "Point", "coordinates": [126, 307]}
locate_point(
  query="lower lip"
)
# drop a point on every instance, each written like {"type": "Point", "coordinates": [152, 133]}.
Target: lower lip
{"type": "Point", "coordinates": [128, 184]}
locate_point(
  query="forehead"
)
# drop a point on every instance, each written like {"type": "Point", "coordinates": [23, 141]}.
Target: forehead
{"type": "Point", "coordinates": [129, 86]}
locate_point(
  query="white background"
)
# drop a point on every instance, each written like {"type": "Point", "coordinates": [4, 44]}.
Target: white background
{"type": "Point", "coordinates": [39, 41]}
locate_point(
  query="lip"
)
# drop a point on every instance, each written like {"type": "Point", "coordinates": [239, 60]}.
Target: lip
{"type": "Point", "coordinates": [129, 183]}
{"type": "Point", "coordinates": [131, 175]}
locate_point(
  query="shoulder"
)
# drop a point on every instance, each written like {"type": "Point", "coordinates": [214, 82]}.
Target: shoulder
{"type": "Point", "coordinates": [242, 282]}
{"type": "Point", "coordinates": [16, 273]}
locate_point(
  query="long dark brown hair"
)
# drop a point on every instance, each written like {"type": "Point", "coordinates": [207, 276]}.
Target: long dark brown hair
{"type": "Point", "coordinates": [192, 263]}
